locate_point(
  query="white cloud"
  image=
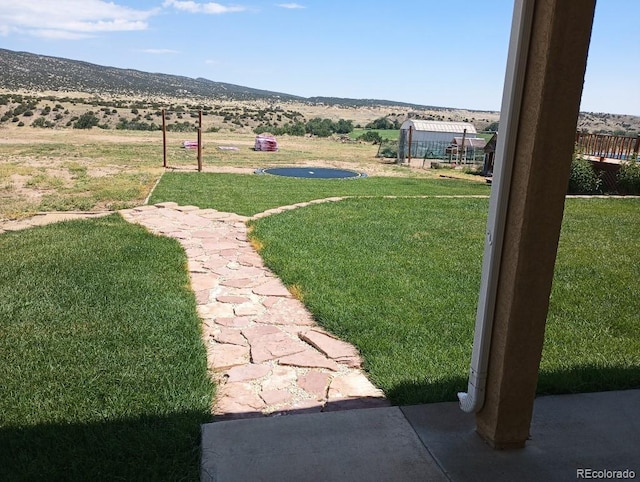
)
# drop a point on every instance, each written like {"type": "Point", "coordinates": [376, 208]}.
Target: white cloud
{"type": "Point", "coordinates": [159, 51]}
{"type": "Point", "coordinates": [69, 19]}
{"type": "Point", "coordinates": [207, 7]}
{"type": "Point", "coordinates": [58, 34]}
{"type": "Point", "coordinates": [290, 5]}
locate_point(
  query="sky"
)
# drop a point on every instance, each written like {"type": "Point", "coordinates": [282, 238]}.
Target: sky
{"type": "Point", "coordinates": [430, 52]}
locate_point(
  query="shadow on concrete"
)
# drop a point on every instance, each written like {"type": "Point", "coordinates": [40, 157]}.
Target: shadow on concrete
{"type": "Point", "coordinates": [144, 448]}
{"type": "Point", "coordinates": [570, 435]}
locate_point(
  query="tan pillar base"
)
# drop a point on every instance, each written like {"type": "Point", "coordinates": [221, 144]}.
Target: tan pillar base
{"type": "Point", "coordinates": [546, 129]}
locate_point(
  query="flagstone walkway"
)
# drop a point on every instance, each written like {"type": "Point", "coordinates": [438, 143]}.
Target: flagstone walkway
{"type": "Point", "coordinates": [264, 350]}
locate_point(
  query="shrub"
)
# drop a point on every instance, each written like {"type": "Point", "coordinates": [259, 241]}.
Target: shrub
{"type": "Point", "coordinates": [86, 121]}
{"type": "Point", "coordinates": [583, 178]}
{"type": "Point", "coordinates": [181, 127]}
{"type": "Point", "coordinates": [136, 125]}
{"type": "Point", "coordinates": [41, 122]}
{"type": "Point", "coordinates": [389, 151]}
{"type": "Point", "coordinates": [295, 129]}
{"type": "Point", "coordinates": [629, 177]}
{"type": "Point", "coordinates": [370, 136]}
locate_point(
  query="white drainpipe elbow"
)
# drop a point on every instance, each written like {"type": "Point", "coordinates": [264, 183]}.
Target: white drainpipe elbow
{"type": "Point", "coordinates": [473, 400]}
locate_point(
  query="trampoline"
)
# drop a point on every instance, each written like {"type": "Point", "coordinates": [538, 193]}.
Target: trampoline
{"type": "Point", "coordinates": [312, 172]}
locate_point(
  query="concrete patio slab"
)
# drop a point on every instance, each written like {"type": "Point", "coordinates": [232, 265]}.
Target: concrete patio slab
{"type": "Point", "coordinates": [373, 444]}
{"type": "Point", "coordinates": [569, 433]}
{"type": "Point", "coordinates": [586, 436]}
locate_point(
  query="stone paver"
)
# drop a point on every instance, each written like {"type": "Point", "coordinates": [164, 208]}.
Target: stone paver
{"type": "Point", "coordinates": [264, 350]}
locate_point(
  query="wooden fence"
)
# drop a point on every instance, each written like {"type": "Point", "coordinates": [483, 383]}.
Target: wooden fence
{"type": "Point", "coordinates": [606, 146]}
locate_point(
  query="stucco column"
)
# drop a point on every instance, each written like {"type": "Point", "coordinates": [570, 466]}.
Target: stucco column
{"type": "Point", "coordinates": [556, 63]}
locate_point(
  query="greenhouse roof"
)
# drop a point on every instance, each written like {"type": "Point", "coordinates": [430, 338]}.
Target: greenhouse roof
{"type": "Point", "coordinates": [475, 142]}
{"type": "Point", "coordinates": [439, 126]}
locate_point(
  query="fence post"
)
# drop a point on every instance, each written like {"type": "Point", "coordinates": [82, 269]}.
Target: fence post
{"type": "Point", "coordinates": [637, 147]}
{"type": "Point", "coordinates": [410, 141]}
{"type": "Point", "coordinates": [200, 141]}
{"type": "Point", "coordinates": [164, 140]}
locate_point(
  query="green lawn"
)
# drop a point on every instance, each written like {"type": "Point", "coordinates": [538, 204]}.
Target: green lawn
{"type": "Point", "coordinates": [248, 194]}
{"type": "Point", "coordinates": [104, 371]}
{"type": "Point", "coordinates": [387, 134]}
{"type": "Point", "coordinates": [399, 278]}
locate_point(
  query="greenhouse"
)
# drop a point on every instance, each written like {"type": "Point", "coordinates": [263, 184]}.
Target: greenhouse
{"type": "Point", "coordinates": [430, 139]}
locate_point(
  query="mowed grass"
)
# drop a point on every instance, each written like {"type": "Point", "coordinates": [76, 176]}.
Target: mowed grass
{"type": "Point", "coordinates": [399, 278]}
{"type": "Point", "coordinates": [592, 339]}
{"type": "Point", "coordinates": [248, 194]}
{"type": "Point", "coordinates": [104, 371]}
{"type": "Point", "coordinates": [387, 134]}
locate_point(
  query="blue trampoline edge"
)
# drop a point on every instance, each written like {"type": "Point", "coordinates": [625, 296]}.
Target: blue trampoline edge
{"type": "Point", "coordinates": [312, 172]}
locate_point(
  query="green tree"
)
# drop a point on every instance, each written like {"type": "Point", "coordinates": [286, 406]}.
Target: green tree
{"type": "Point", "coordinates": [493, 127]}
{"type": "Point", "coordinates": [320, 127]}
{"type": "Point", "coordinates": [343, 126]}
{"type": "Point", "coordinates": [296, 129]}
{"type": "Point", "coordinates": [380, 123]}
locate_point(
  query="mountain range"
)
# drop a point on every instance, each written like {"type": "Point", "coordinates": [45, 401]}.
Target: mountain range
{"type": "Point", "coordinates": [24, 71]}
{"type": "Point", "coordinates": [33, 72]}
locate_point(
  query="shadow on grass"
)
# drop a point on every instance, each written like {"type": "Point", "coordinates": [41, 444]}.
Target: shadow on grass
{"type": "Point", "coordinates": [588, 378]}
{"type": "Point", "coordinates": [413, 393]}
{"type": "Point", "coordinates": [168, 448]}
{"type": "Point", "coordinates": [580, 379]}
{"type": "Point", "coordinates": [144, 448]}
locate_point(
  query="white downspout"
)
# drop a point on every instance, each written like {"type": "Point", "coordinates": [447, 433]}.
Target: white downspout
{"type": "Point", "coordinates": [473, 399]}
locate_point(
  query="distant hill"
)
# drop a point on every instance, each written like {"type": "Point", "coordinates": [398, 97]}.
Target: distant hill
{"type": "Point", "coordinates": [23, 70]}
{"type": "Point", "coordinates": [27, 71]}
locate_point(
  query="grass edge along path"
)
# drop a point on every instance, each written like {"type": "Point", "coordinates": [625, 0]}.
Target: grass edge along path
{"type": "Point", "coordinates": [399, 279]}
{"type": "Point", "coordinates": [104, 372]}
